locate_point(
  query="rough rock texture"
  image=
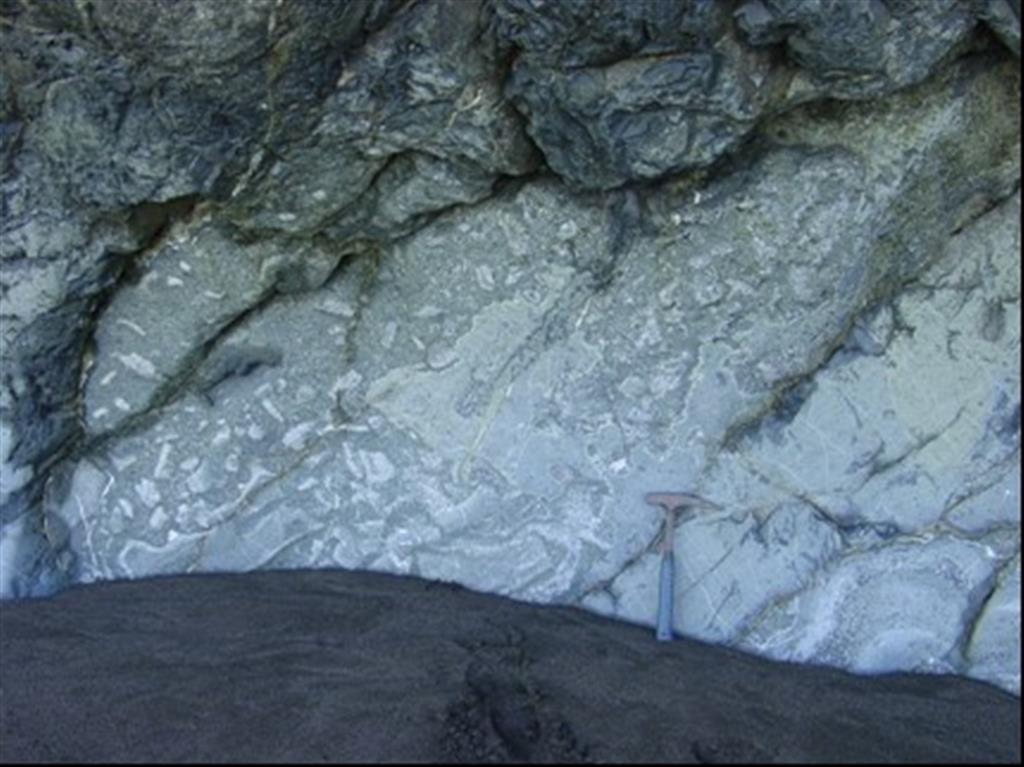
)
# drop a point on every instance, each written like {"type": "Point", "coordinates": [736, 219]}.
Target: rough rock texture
{"type": "Point", "coordinates": [619, 92]}
{"type": "Point", "coordinates": [361, 667]}
{"type": "Point", "coordinates": [442, 288]}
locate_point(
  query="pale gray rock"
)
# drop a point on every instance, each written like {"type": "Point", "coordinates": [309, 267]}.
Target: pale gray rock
{"type": "Point", "coordinates": [731, 566]}
{"type": "Point", "coordinates": [916, 430]}
{"type": "Point", "coordinates": [990, 502]}
{"type": "Point", "coordinates": [407, 193]}
{"type": "Point", "coordinates": [905, 606]}
{"type": "Point", "coordinates": [873, 443]}
{"type": "Point", "coordinates": [108, 137]}
{"type": "Point", "coordinates": [157, 331]}
{"type": "Point", "coordinates": [994, 649]}
{"type": "Point", "coordinates": [99, 156]}
{"type": "Point", "coordinates": [105, 117]}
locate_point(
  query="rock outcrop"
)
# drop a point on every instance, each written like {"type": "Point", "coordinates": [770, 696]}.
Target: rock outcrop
{"type": "Point", "coordinates": [442, 288]}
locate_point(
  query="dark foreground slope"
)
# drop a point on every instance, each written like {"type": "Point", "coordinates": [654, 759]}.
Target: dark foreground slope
{"type": "Point", "coordinates": [339, 666]}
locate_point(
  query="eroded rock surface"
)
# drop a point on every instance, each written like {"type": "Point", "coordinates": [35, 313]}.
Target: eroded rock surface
{"type": "Point", "coordinates": [455, 283]}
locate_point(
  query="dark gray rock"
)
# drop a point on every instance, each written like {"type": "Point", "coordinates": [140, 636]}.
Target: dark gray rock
{"type": "Point", "coordinates": [620, 92]}
{"type": "Point", "coordinates": [587, 33]}
{"type": "Point", "coordinates": [626, 92]}
{"type": "Point", "coordinates": [1003, 17]}
{"type": "Point", "coordinates": [863, 48]}
{"type": "Point", "coordinates": [640, 119]}
{"type": "Point", "coordinates": [185, 88]}
{"type": "Point", "coordinates": [424, 85]}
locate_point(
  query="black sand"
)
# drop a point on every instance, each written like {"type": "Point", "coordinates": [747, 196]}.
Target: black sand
{"type": "Point", "coordinates": [339, 666]}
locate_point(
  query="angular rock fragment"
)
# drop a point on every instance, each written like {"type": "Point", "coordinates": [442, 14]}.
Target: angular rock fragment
{"type": "Point", "coordinates": [862, 49]}
{"type": "Point", "coordinates": [1003, 16]}
{"type": "Point", "coordinates": [625, 92]}
{"type": "Point", "coordinates": [993, 652]}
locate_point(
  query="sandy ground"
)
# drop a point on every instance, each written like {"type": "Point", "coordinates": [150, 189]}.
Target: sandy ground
{"type": "Point", "coordinates": [353, 666]}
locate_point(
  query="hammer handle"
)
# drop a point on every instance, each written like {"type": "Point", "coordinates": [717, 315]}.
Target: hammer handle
{"type": "Point", "coordinates": [665, 597]}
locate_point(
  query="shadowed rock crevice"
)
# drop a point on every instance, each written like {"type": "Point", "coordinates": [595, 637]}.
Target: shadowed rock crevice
{"type": "Point", "coordinates": [66, 344]}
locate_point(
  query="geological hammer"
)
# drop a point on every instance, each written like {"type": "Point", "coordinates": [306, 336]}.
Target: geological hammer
{"type": "Point", "coordinates": [672, 504]}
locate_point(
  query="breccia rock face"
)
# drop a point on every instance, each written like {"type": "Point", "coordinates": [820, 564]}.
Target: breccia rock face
{"type": "Point", "coordinates": [420, 89]}
{"type": "Point", "coordinates": [444, 288]}
{"type": "Point", "coordinates": [859, 50]}
{"type": "Point", "coordinates": [656, 87]}
{"type": "Point", "coordinates": [1003, 18]}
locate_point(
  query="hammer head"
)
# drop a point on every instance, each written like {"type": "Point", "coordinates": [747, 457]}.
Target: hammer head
{"type": "Point", "coordinates": [671, 502]}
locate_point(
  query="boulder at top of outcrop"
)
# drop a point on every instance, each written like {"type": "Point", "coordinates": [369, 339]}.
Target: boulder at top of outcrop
{"type": "Point", "coordinates": [859, 49]}
{"type": "Point", "coordinates": [1003, 17]}
{"type": "Point", "coordinates": [635, 91]}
